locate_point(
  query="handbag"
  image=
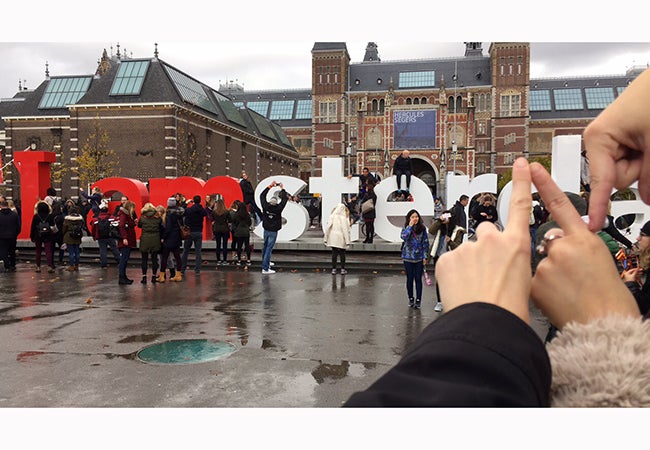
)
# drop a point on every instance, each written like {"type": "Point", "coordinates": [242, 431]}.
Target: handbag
{"type": "Point", "coordinates": [367, 206]}
{"type": "Point", "coordinates": [185, 232]}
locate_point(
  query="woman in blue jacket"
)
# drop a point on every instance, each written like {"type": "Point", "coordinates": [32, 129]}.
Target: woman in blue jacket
{"type": "Point", "coordinates": [414, 253]}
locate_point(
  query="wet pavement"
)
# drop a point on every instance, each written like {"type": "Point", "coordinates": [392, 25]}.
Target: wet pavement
{"type": "Point", "coordinates": [300, 338]}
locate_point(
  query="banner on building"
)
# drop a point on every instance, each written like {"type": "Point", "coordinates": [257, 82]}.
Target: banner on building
{"type": "Point", "coordinates": [414, 129]}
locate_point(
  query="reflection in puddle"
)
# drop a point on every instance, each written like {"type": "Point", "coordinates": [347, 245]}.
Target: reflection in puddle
{"type": "Point", "coordinates": [25, 356]}
{"type": "Point", "coordinates": [140, 338]}
{"type": "Point", "coordinates": [40, 316]}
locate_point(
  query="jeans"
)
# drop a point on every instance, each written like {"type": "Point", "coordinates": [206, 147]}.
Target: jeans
{"type": "Point", "coordinates": [269, 241]}
{"type": "Point", "coordinates": [74, 252]}
{"type": "Point", "coordinates": [125, 253]}
{"type": "Point", "coordinates": [414, 271]}
{"type": "Point", "coordinates": [398, 174]}
{"type": "Point", "coordinates": [222, 245]}
{"type": "Point", "coordinates": [196, 238]}
{"type": "Point", "coordinates": [111, 244]}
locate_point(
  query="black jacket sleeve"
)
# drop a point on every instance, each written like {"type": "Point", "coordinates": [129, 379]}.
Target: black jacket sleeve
{"type": "Point", "coordinates": [476, 355]}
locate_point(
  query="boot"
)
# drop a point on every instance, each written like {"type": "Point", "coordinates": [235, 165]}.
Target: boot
{"type": "Point", "coordinates": [76, 267]}
{"type": "Point", "coordinates": [125, 281]}
{"type": "Point", "coordinates": [144, 279]}
{"type": "Point", "coordinates": [70, 268]}
{"type": "Point", "coordinates": [161, 277]}
{"type": "Point", "coordinates": [154, 279]}
{"type": "Point", "coordinates": [177, 277]}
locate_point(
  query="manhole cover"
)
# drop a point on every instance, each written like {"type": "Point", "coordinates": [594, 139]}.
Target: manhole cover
{"type": "Point", "coordinates": [187, 351]}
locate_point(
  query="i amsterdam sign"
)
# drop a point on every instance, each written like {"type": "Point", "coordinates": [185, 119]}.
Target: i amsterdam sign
{"type": "Point", "coordinates": [34, 169]}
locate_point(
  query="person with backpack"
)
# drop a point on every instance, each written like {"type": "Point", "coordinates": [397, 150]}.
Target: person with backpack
{"type": "Point", "coordinates": [152, 228]}
{"type": "Point", "coordinates": [171, 241]}
{"type": "Point", "coordinates": [72, 233]}
{"type": "Point", "coordinates": [10, 226]}
{"type": "Point", "coordinates": [221, 230]}
{"type": "Point", "coordinates": [42, 234]}
{"type": "Point", "coordinates": [194, 217]}
{"type": "Point", "coordinates": [127, 223]}
{"type": "Point", "coordinates": [103, 228]}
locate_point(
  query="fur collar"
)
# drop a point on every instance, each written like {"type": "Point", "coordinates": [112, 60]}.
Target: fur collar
{"type": "Point", "coordinates": [605, 363]}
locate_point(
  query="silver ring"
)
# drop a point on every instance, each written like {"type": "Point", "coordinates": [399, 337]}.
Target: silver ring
{"type": "Point", "coordinates": [541, 248]}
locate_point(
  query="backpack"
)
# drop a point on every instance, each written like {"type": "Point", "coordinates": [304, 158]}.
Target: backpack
{"type": "Point", "coordinates": [76, 232]}
{"type": "Point", "coordinates": [44, 228]}
{"type": "Point", "coordinates": [104, 228]}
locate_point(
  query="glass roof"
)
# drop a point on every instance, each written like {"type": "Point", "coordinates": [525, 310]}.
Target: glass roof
{"type": "Point", "coordinates": [229, 109]}
{"type": "Point", "coordinates": [599, 98]}
{"type": "Point", "coordinates": [540, 100]}
{"type": "Point", "coordinates": [417, 79]}
{"type": "Point", "coordinates": [191, 90]}
{"type": "Point", "coordinates": [263, 125]}
{"type": "Point", "coordinates": [282, 110]}
{"type": "Point", "coordinates": [129, 78]}
{"type": "Point", "coordinates": [566, 99]}
{"type": "Point", "coordinates": [283, 137]}
{"type": "Point", "coordinates": [303, 110]}
{"type": "Point", "coordinates": [259, 107]}
{"type": "Point", "coordinates": [64, 91]}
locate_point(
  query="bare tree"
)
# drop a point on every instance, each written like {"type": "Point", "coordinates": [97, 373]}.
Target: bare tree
{"type": "Point", "coordinates": [96, 160]}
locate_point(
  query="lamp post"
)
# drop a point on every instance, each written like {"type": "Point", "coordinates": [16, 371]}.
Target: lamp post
{"type": "Point", "coordinates": [454, 147]}
{"type": "Point", "coordinates": [348, 152]}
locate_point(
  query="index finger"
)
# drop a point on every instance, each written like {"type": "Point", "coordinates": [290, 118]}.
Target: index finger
{"type": "Point", "coordinates": [556, 201]}
{"type": "Point", "coordinates": [520, 200]}
{"type": "Point", "coordinates": [601, 173]}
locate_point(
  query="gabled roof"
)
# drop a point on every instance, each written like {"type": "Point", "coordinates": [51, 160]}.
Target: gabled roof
{"type": "Point", "coordinates": [160, 82]}
{"type": "Point", "coordinates": [369, 76]}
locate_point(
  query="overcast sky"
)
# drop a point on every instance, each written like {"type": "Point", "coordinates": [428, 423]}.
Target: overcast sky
{"type": "Point", "coordinates": [262, 45]}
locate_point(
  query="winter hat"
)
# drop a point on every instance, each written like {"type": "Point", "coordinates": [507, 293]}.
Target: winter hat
{"type": "Point", "coordinates": [171, 202]}
{"type": "Point", "coordinates": [273, 200]}
{"type": "Point", "coordinates": [646, 228]}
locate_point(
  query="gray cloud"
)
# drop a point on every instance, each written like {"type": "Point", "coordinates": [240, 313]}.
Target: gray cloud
{"type": "Point", "coordinates": [259, 65]}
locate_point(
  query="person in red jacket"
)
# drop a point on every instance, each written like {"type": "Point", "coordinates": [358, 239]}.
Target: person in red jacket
{"type": "Point", "coordinates": [127, 223]}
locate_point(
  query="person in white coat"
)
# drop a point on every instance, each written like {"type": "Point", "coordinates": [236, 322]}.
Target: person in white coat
{"type": "Point", "coordinates": [337, 235]}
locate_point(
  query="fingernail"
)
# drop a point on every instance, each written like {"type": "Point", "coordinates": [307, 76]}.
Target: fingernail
{"type": "Point", "coordinates": [521, 162]}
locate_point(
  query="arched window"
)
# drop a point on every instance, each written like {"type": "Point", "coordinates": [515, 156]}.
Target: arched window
{"type": "Point", "coordinates": [408, 101]}
{"type": "Point", "coordinates": [382, 104]}
{"type": "Point", "coordinates": [416, 101]}
{"type": "Point", "coordinates": [459, 103]}
{"type": "Point", "coordinates": [423, 101]}
{"type": "Point", "coordinates": [375, 106]}
{"type": "Point", "coordinates": [451, 104]}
